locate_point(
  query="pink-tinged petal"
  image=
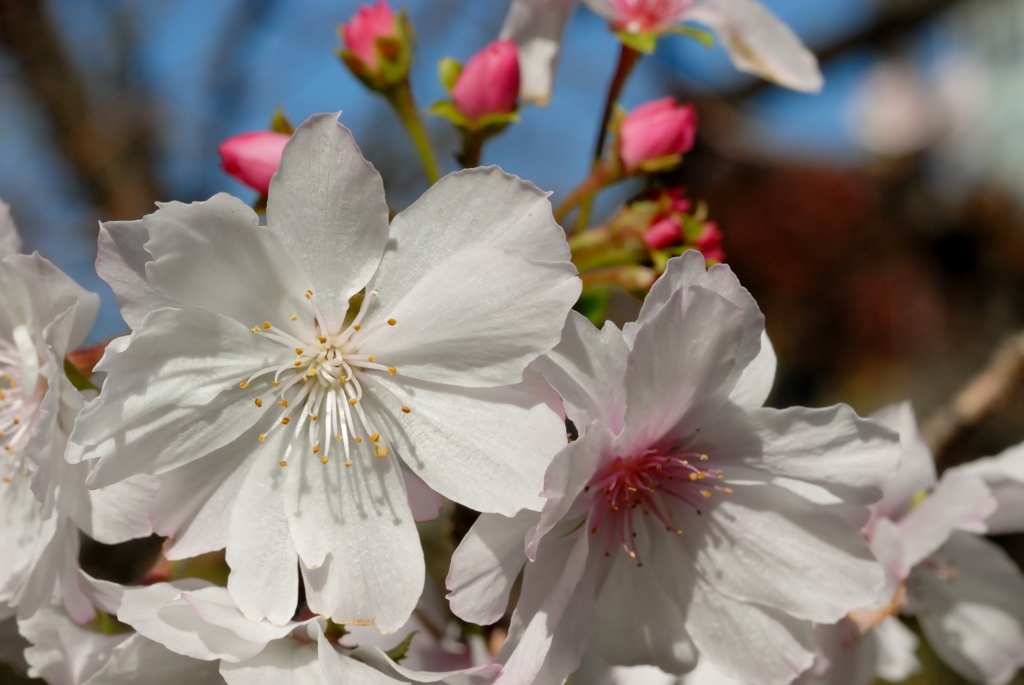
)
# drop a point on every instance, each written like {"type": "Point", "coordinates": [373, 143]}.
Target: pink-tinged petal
{"type": "Point", "coordinates": [103, 594]}
{"type": "Point", "coordinates": [264, 577]}
{"type": "Point", "coordinates": [253, 157]}
{"type": "Point", "coordinates": [889, 548]}
{"type": "Point", "coordinates": [681, 368]}
{"type": "Point", "coordinates": [214, 255]}
{"type": "Point", "coordinates": [536, 26]}
{"type": "Point", "coordinates": [895, 646]}
{"type": "Point", "coordinates": [758, 43]}
{"type": "Point", "coordinates": [756, 381]}
{"type": "Point", "coordinates": [796, 556]}
{"type": "Point", "coordinates": [916, 471]}
{"type": "Point", "coordinates": [688, 270]}
{"type": "Point", "coordinates": [160, 613]}
{"type": "Point", "coordinates": [492, 463]}
{"type": "Point", "coordinates": [477, 319]}
{"type": "Point", "coordinates": [121, 262]}
{"type": "Point", "coordinates": [554, 617]}
{"type": "Point", "coordinates": [959, 502]}
{"type": "Point", "coordinates": [342, 669]}
{"type": "Point", "coordinates": [378, 660]}
{"type": "Point", "coordinates": [327, 207]}
{"type": "Point", "coordinates": [844, 657]}
{"type": "Point", "coordinates": [10, 239]}
{"type": "Point", "coordinates": [356, 537]}
{"type": "Point", "coordinates": [486, 564]}
{"type": "Point", "coordinates": [424, 503]}
{"type": "Point", "coordinates": [1004, 476]}
{"type": "Point", "coordinates": [172, 395]}
{"type": "Point", "coordinates": [282, 662]}
{"type": "Point", "coordinates": [969, 600]}
{"type": "Point", "coordinates": [216, 609]}
{"type": "Point", "coordinates": [138, 655]}
{"type": "Point", "coordinates": [569, 473]}
{"type": "Point", "coordinates": [587, 369]}
{"type": "Point", "coordinates": [756, 645]}
{"type": "Point", "coordinates": [704, 674]}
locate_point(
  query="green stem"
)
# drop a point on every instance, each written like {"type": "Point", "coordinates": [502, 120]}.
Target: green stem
{"type": "Point", "coordinates": [402, 101]}
{"type": "Point", "coordinates": [601, 175]}
{"type": "Point", "coordinates": [472, 146]}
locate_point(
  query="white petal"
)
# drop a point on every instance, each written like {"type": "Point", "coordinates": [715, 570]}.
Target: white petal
{"type": "Point", "coordinates": [356, 537]}
{"type": "Point", "coordinates": [844, 656]}
{"type": "Point", "coordinates": [113, 514]}
{"type": "Point", "coordinates": [424, 503]}
{"type": "Point", "coordinates": [214, 255]}
{"type": "Point", "coordinates": [1004, 476]}
{"type": "Point", "coordinates": [264, 576]}
{"type": "Point", "coordinates": [972, 614]}
{"type": "Point", "coordinates": [172, 396]}
{"type": "Point", "coordinates": [20, 528]}
{"type": "Point", "coordinates": [477, 319]}
{"type": "Point", "coordinates": [889, 548]}
{"type": "Point", "coordinates": [63, 653]}
{"type": "Point", "coordinates": [378, 660]}
{"type": "Point", "coordinates": [10, 240]}
{"type": "Point", "coordinates": [754, 644]}
{"type": "Point", "coordinates": [160, 613]}
{"type": "Point", "coordinates": [680, 368]}
{"type": "Point", "coordinates": [486, 448]}
{"type": "Point", "coordinates": [587, 369]}
{"type": "Point", "coordinates": [341, 670]}
{"type": "Point", "coordinates": [284, 662]}
{"type": "Point", "coordinates": [216, 608]}
{"type": "Point", "coordinates": [756, 381]}
{"type": "Point", "coordinates": [485, 566]}
{"type": "Point", "coordinates": [326, 205]}
{"type": "Point", "coordinates": [959, 502]}
{"type": "Point", "coordinates": [537, 26]}
{"type": "Point", "coordinates": [896, 646]}
{"type": "Point", "coordinates": [482, 207]}
{"type": "Point", "coordinates": [758, 43]}
{"type": "Point", "coordinates": [916, 471]}
{"type": "Point", "coordinates": [161, 666]}
{"type": "Point", "coordinates": [765, 544]}
{"type": "Point", "coordinates": [121, 262]}
{"type": "Point", "coordinates": [51, 293]}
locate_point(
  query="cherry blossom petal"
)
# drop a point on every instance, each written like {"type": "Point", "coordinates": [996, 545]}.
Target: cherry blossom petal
{"type": "Point", "coordinates": [482, 207]}
{"type": "Point", "coordinates": [895, 648]}
{"type": "Point", "coordinates": [757, 379]}
{"type": "Point", "coordinates": [10, 240]}
{"type": "Point", "coordinates": [371, 570]}
{"type": "Point", "coordinates": [63, 653]}
{"type": "Point", "coordinates": [889, 548]}
{"type": "Point", "coordinates": [214, 255]}
{"type": "Point", "coordinates": [340, 669]}
{"type": "Point", "coordinates": [536, 27]}
{"type": "Point", "coordinates": [486, 448]}
{"type": "Point", "coordinates": [485, 566]}
{"type": "Point", "coordinates": [282, 662]}
{"type": "Point", "coordinates": [844, 656]}
{"type": "Point", "coordinates": [587, 369]}
{"type": "Point", "coordinates": [679, 369]}
{"type": "Point", "coordinates": [970, 604]}
{"type": "Point", "coordinates": [113, 514]}
{"type": "Point", "coordinates": [1004, 476]}
{"type": "Point", "coordinates": [796, 556]}
{"type": "Point", "coordinates": [959, 502]}
{"type": "Point", "coordinates": [215, 608]}
{"type": "Point", "coordinates": [137, 655]}
{"type": "Point", "coordinates": [917, 466]}
{"type": "Point", "coordinates": [20, 528]}
{"type": "Point", "coordinates": [756, 645]}
{"type": "Point", "coordinates": [478, 318]}
{"type": "Point", "coordinates": [172, 396]}
{"type": "Point", "coordinates": [424, 503]}
{"type": "Point", "coordinates": [326, 205]}
{"type": "Point", "coordinates": [264, 576]}
{"type": "Point", "coordinates": [758, 43]}
{"type": "Point", "coordinates": [51, 292]}
{"type": "Point", "coordinates": [121, 262]}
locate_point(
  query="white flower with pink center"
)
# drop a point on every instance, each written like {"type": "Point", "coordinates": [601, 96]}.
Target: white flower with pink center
{"type": "Point", "coordinates": [686, 518]}
{"type": "Point", "coordinates": [289, 427]}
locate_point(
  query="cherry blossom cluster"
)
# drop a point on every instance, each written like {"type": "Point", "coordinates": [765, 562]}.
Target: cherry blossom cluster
{"type": "Point", "coordinates": [298, 393]}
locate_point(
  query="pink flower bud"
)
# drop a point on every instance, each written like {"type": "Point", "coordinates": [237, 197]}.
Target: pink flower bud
{"type": "Point", "coordinates": [656, 129]}
{"type": "Point", "coordinates": [489, 84]}
{"type": "Point", "coordinates": [642, 16]}
{"type": "Point", "coordinates": [361, 33]}
{"type": "Point", "coordinates": [662, 233]}
{"type": "Point", "coordinates": [709, 242]}
{"type": "Point", "coordinates": [252, 157]}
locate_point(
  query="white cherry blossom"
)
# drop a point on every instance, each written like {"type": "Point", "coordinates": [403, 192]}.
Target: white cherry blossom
{"type": "Point", "coordinates": [686, 518]}
{"type": "Point", "coordinates": [276, 416]}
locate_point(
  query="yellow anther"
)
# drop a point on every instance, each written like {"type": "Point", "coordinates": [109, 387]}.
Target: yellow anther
{"type": "Point", "coordinates": [7, 479]}
{"type": "Point", "coordinates": [16, 421]}
{"type": "Point", "coordinates": [337, 437]}
{"type": "Point", "coordinates": [322, 340]}
{"type": "Point", "coordinates": [254, 329]}
{"type": "Point", "coordinates": [282, 463]}
{"type": "Point", "coordinates": [312, 371]}
{"type": "Point", "coordinates": [295, 318]}
{"type": "Point", "coordinates": [706, 493]}
{"type": "Point", "coordinates": [309, 294]}
{"type": "Point", "coordinates": [277, 383]}
{"type": "Point", "coordinates": [297, 363]}
{"type": "Point", "coordinates": [316, 448]}
{"type": "Point", "coordinates": [358, 438]}
{"type": "Point", "coordinates": [285, 421]}
{"type": "Point", "coordinates": [323, 460]}
{"type": "Point", "coordinates": [313, 417]}
{"type": "Point", "coordinates": [356, 327]}
{"type": "Point", "coordinates": [348, 463]}
{"type": "Point", "coordinates": [703, 457]}
{"type": "Point", "coordinates": [375, 437]}
{"type": "Point", "coordinates": [392, 370]}
{"type": "Point", "coordinates": [353, 401]}
{"type": "Point", "coordinates": [727, 491]}
{"type": "Point", "coordinates": [298, 350]}
{"type": "Point", "coordinates": [2, 434]}
{"type": "Point", "coordinates": [380, 450]}
{"type": "Point", "coordinates": [259, 402]}
{"type": "Point", "coordinates": [632, 555]}
{"type": "Point", "coordinates": [243, 385]}
{"type": "Point", "coordinates": [392, 322]}
{"type": "Point", "coordinates": [371, 359]}
{"type": "Point", "coordinates": [693, 476]}
{"type": "Point", "coordinates": [679, 532]}
{"type": "Point", "coordinates": [263, 436]}
{"type": "Point", "coordinates": [405, 410]}
{"type": "Point", "coordinates": [284, 403]}
{"type": "Point", "coordinates": [266, 325]}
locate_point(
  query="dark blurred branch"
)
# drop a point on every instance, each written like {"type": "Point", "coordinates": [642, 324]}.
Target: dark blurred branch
{"type": "Point", "coordinates": [986, 392]}
{"type": "Point", "coordinates": [114, 168]}
{"type": "Point", "coordinates": [891, 26]}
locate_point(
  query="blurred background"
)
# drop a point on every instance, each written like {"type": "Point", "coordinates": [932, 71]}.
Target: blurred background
{"type": "Point", "coordinates": [880, 223]}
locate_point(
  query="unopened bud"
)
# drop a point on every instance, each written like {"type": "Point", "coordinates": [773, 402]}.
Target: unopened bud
{"type": "Point", "coordinates": [656, 133]}
{"type": "Point", "coordinates": [489, 83]}
{"type": "Point", "coordinates": [253, 157]}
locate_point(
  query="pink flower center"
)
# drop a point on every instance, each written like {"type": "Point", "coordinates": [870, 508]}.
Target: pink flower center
{"type": "Point", "coordinates": [652, 484]}
{"type": "Point", "coordinates": [639, 16]}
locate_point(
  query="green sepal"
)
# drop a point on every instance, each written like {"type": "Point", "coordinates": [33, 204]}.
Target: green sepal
{"type": "Point", "coordinates": [664, 163]}
{"type": "Point", "coordinates": [109, 625]}
{"type": "Point", "coordinates": [449, 70]}
{"type": "Point", "coordinates": [593, 304]}
{"type": "Point", "coordinates": [77, 378]}
{"type": "Point", "coordinates": [279, 122]}
{"type": "Point", "coordinates": [334, 631]}
{"type": "Point", "coordinates": [702, 36]}
{"type": "Point", "coordinates": [488, 125]}
{"type": "Point", "coordinates": [399, 651]}
{"type": "Point", "coordinates": [446, 109]}
{"type": "Point", "coordinates": [260, 205]}
{"type": "Point", "coordinates": [644, 42]}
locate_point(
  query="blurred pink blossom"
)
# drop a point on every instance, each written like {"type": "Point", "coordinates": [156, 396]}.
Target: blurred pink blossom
{"type": "Point", "coordinates": [657, 129]}
{"type": "Point", "coordinates": [489, 84]}
{"type": "Point", "coordinates": [369, 23]}
{"type": "Point", "coordinates": [638, 16]}
{"type": "Point", "coordinates": [252, 157]}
